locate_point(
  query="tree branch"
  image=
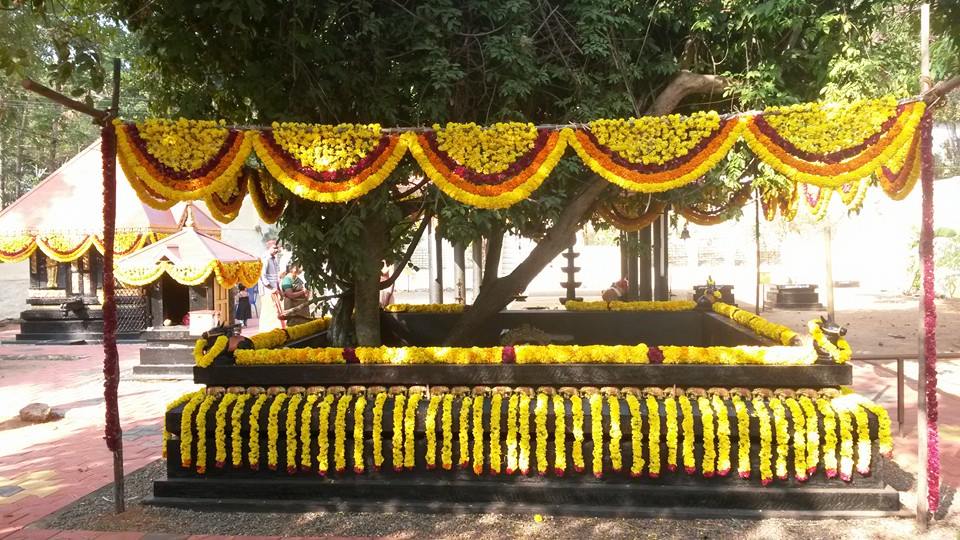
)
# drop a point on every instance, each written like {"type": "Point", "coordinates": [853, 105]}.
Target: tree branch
{"type": "Point", "coordinates": [941, 89]}
{"type": "Point", "coordinates": [409, 253]}
{"type": "Point", "coordinates": [683, 85]}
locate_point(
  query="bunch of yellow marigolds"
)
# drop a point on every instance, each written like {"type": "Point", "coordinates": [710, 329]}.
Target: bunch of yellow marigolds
{"type": "Point", "coordinates": [327, 147]}
{"type": "Point", "coordinates": [655, 139]}
{"type": "Point", "coordinates": [825, 128]}
{"type": "Point", "coordinates": [183, 145]}
{"type": "Point", "coordinates": [487, 150]}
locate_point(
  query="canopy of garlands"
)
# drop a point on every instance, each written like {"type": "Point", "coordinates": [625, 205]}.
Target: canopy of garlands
{"type": "Point", "coordinates": [822, 149]}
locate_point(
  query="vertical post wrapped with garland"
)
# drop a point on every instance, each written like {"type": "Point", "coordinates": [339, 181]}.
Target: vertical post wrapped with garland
{"type": "Point", "coordinates": [929, 314]}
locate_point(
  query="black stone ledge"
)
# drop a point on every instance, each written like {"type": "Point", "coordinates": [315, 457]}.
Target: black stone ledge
{"type": "Point", "coordinates": [817, 376]}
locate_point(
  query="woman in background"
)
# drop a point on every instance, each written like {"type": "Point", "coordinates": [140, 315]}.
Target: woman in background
{"type": "Point", "coordinates": [243, 305]}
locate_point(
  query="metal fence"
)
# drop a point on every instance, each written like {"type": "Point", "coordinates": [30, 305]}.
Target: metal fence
{"type": "Point", "coordinates": [900, 359]}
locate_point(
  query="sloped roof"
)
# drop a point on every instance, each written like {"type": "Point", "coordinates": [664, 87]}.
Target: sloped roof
{"type": "Point", "coordinates": [188, 246]}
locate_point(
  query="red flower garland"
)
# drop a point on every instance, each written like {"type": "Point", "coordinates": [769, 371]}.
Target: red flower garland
{"type": "Point", "coordinates": [111, 361]}
{"type": "Point", "coordinates": [929, 312]}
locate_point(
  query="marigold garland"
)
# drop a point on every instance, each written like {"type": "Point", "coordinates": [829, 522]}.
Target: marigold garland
{"type": "Point", "coordinates": [670, 408]}
{"type": "Point", "coordinates": [841, 352]}
{"type": "Point", "coordinates": [425, 308]}
{"type": "Point", "coordinates": [359, 407]}
{"type": "Point", "coordinates": [186, 431]}
{"type": "Point", "coordinates": [845, 421]}
{"type": "Point", "coordinates": [636, 435]}
{"type": "Point", "coordinates": [206, 359]}
{"type": "Point", "coordinates": [201, 424]}
{"type": "Point", "coordinates": [378, 402]}
{"type": "Point", "coordinates": [616, 433]}
{"type": "Point", "coordinates": [799, 439]}
{"type": "Point", "coordinates": [523, 461]}
{"type": "Point", "coordinates": [813, 433]}
{"type": "Point", "coordinates": [781, 430]}
{"type": "Point", "coordinates": [884, 439]}
{"type": "Point", "coordinates": [777, 332]}
{"type": "Point", "coordinates": [496, 405]}
{"type": "Point", "coordinates": [744, 468]}
{"type": "Point", "coordinates": [263, 193]}
{"type": "Point", "coordinates": [273, 430]}
{"type": "Point", "coordinates": [170, 406]}
{"type": "Point", "coordinates": [766, 440]}
{"type": "Point", "coordinates": [463, 442]}
{"type": "Point", "coordinates": [253, 454]}
{"type": "Point", "coordinates": [576, 411]}
{"type": "Point", "coordinates": [340, 433]}
{"type": "Point", "coordinates": [540, 418]}
{"type": "Point", "coordinates": [220, 430]}
{"type": "Point", "coordinates": [236, 422]}
{"type": "Point", "coordinates": [512, 445]}
{"type": "Point", "coordinates": [686, 408]}
{"type": "Point", "coordinates": [446, 449]}
{"type": "Point", "coordinates": [831, 468]}
{"type": "Point", "coordinates": [323, 436]}
{"type": "Point", "coordinates": [722, 415]}
{"type": "Point", "coordinates": [596, 432]}
{"type": "Point", "coordinates": [617, 305]}
{"type": "Point", "coordinates": [306, 419]}
{"type": "Point", "coordinates": [653, 436]}
{"type": "Point", "coordinates": [559, 435]}
{"type": "Point", "coordinates": [291, 432]}
{"type": "Point", "coordinates": [430, 430]}
{"type": "Point", "coordinates": [399, 412]}
{"type": "Point", "coordinates": [709, 460]}
{"type": "Point", "coordinates": [478, 457]}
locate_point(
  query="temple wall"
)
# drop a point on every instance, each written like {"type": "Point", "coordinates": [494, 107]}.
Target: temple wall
{"type": "Point", "coordinates": [14, 284]}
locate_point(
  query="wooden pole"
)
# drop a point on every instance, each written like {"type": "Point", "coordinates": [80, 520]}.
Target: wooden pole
{"type": "Point", "coordinates": [460, 271]}
{"type": "Point", "coordinates": [756, 237]}
{"type": "Point", "coordinates": [646, 264]}
{"type": "Point", "coordinates": [477, 256]}
{"type": "Point", "coordinates": [633, 268]}
{"type": "Point", "coordinates": [828, 247]}
{"type": "Point", "coordinates": [923, 473]}
{"type": "Point", "coordinates": [436, 286]}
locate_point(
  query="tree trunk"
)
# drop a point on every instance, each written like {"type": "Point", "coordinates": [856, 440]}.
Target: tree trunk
{"type": "Point", "coordinates": [498, 292]}
{"type": "Point", "coordinates": [491, 269]}
{"type": "Point", "coordinates": [367, 282]}
{"type": "Point", "coordinates": [342, 329]}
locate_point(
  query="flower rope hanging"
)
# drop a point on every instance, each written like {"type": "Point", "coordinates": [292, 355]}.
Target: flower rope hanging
{"type": "Point", "coordinates": [624, 219]}
{"type": "Point", "coordinates": [181, 160]}
{"type": "Point", "coordinates": [487, 167]}
{"type": "Point", "coordinates": [708, 213]}
{"type": "Point", "coordinates": [329, 163]}
{"type": "Point", "coordinates": [224, 205]}
{"type": "Point", "coordinates": [655, 153]}
{"type": "Point", "coordinates": [898, 177]}
{"type": "Point", "coordinates": [263, 192]}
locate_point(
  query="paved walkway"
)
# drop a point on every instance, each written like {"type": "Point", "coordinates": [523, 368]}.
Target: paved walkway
{"type": "Point", "coordinates": [48, 466]}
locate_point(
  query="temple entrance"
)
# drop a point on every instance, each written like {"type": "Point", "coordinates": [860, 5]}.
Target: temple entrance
{"type": "Point", "coordinates": [174, 301]}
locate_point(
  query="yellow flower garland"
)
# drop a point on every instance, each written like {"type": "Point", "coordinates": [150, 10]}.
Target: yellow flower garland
{"type": "Point", "coordinates": [841, 352]}
{"type": "Point", "coordinates": [399, 401]}
{"type": "Point", "coordinates": [253, 454]}
{"type": "Point", "coordinates": [670, 407]}
{"type": "Point", "coordinates": [829, 437]}
{"type": "Point", "coordinates": [273, 430]}
{"type": "Point", "coordinates": [576, 410]}
{"type": "Point", "coordinates": [359, 407]}
{"type": "Point", "coordinates": [821, 128]}
{"type": "Point", "coordinates": [813, 433]}
{"type": "Point", "coordinates": [559, 435]}
{"type": "Point", "coordinates": [291, 432]}
{"type": "Point", "coordinates": [884, 439]}
{"type": "Point", "coordinates": [596, 432]}
{"type": "Point", "coordinates": [540, 418]}
{"type": "Point", "coordinates": [523, 462]}
{"type": "Point", "coordinates": [512, 445]}
{"type": "Point", "coordinates": [323, 438]}
{"type": "Point", "coordinates": [220, 430]}
{"type": "Point", "coordinates": [206, 359]}
{"type": "Point", "coordinates": [170, 406]}
{"type": "Point", "coordinates": [777, 332]}
{"type": "Point", "coordinates": [424, 308]}
{"type": "Point", "coordinates": [653, 435]}
{"type": "Point", "coordinates": [783, 436]}
{"type": "Point", "coordinates": [616, 433]}
{"type": "Point", "coordinates": [846, 442]}
{"type": "Point", "coordinates": [489, 149]}
{"type": "Point", "coordinates": [709, 460]}
{"type": "Point", "coordinates": [186, 429]}
{"type": "Point", "coordinates": [464, 437]}
{"type": "Point", "coordinates": [766, 440]}
{"type": "Point", "coordinates": [236, 422]}
{"type": "Point", "coordinates": [744, 468]}
{"type": "Point", "coordinates": [430, 429]}
{"type": "Point", "coordinates": [378, 403]}
{"type": "Point", "coordinates": [340, 433]}
{"type": "Point", "coordinates": [496, 405]}
{"type": "Point", "coordinates": [478, 434]}
{"type": "Point", "coordinates": [617, 305]}
{"type": "Point", "coordinates": [636, 435]}
{"type": "Point", "coordinates": [721, 413]}
{"type": "Point", "coordinates": [202, 432]}
{"type": "Point", "coordinates": [689, 461]}
{"type": "Point", "coordinates": [799, 439]}
{"type": "Point", "coordinates": [306, 419]}
{"type": "Point", "coordinates": [446, 449]}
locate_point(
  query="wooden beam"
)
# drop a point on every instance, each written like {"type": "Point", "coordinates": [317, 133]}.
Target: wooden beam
{"type": "Point", "coordinates": [98, 115]}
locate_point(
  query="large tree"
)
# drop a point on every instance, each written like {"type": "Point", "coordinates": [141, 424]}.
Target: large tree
{"type": "Point", "coordinates": [405, 62]}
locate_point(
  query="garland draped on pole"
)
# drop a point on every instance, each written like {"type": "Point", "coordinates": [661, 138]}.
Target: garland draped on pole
{"type": "Point", "coordinates": [268, 203]}
{"type": "Point", "coordinates": [929, 315]}
{"type": "Point", "coordinates": [827, 146]}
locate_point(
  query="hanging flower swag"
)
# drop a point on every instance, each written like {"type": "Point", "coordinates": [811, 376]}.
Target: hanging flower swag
{"type": "Point", "coordinates": [828, 146]}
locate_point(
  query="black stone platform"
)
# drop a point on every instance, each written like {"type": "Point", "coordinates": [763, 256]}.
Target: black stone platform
{"type": "Point", "coordinates": [168, 354]}
{"type": "Point", "coordinates": [793, 297]}
{"type": "Point", "coordinates": [817, 376]}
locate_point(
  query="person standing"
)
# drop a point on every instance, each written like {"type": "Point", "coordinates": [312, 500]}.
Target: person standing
{"type": "Point", "coordinates": [272, 305]}
{"type": "Point", "coordinates": [295, 297]}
